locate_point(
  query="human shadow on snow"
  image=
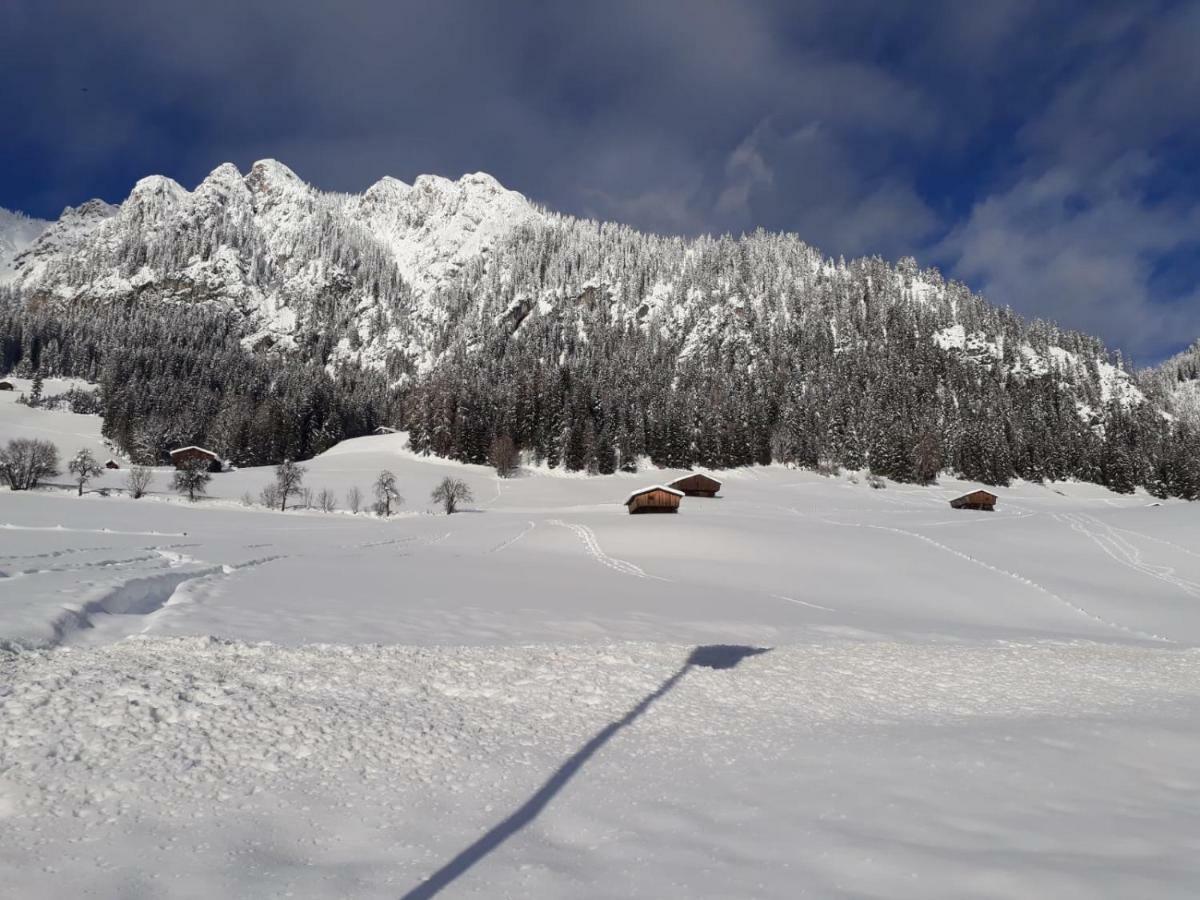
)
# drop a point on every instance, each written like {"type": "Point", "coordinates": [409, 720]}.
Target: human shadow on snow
{"type": "Point", "coordinates": [713, 656]}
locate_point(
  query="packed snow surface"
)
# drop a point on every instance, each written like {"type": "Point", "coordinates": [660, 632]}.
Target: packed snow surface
{"type": "Point", "coordinates": [804, 687]}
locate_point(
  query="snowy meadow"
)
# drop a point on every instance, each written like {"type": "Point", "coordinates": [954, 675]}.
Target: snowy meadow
{"type": "Point", "coordinates": [803, 687]}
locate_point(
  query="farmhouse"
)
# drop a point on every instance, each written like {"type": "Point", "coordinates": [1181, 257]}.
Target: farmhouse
{"type": "Point", "coordinates": [7, 386]}
{"type": "Point", "coordinates": [697, 485]}
{"type": "Point", "coordinates": [184, 455]}
{"type": "Point", "coordinates": [112, 464]}
{"type": "Point", "coordinates": [983, 500]}
{"type": "Point", "coordinates": [654, 499]}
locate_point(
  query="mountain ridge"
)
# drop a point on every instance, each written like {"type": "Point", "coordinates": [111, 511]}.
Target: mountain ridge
{"type": "Point", "coordinates": [456, 291]}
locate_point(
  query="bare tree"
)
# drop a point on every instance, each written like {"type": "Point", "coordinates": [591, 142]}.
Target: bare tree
{"type": "Point", "coordinates": [269, 496]}
{"type": "Point", "coordinates": [26, 461]}
{"type": "Point", "coordinates": [354, 499]}
{"type": "Point", "coordinates": [306, 497]}
{"type": "Point", "coordinates": [288, 478]}
{"type": "Point", "coordinates": [139, 480]}
{"type": "Point", "coordinates": [451, 492]}
{"type": "Point", "coordinates": [386, 493]}
{"type": "Point", "coordinates": [84, 467]}
{"type": "Point", "coordinates": [326, 500]}
{"type": "Point", "coordinates": [192, 478]}
{"type": "Point", "coordinates": [504, 456]}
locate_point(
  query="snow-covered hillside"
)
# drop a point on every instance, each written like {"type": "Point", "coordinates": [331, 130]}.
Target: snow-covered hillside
{"type": "Point", "coordinates": [802, 687]}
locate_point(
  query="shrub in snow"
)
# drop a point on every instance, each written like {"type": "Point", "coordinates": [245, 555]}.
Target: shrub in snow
{"type": "Point", "coordinates": [26, 461]}
{"type": "Point", "coordinates": [269, 496]}
{"type": "Point", "coordinates": [138, 481]}
{"type": "Point", "coordinates": [354, 499]}
{"type": "Point", "coordinates": [326, 500]}
{"type": "Point", "coordinates": [451, 492]}
{"type": "Point", "coordinates": [828, 468]}
{"type": "Point", "coordinates": [876, 481]}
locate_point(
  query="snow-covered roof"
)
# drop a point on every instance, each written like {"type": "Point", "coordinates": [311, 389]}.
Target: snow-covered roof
{"type": "Point", "coordinates": [193, 447]}
{"type": "Point", "coordinates": [974, 491]}
{"type": "Point", "coordinates": [696, 475]}
{"type": "Point", "coordinates": [653, 487]}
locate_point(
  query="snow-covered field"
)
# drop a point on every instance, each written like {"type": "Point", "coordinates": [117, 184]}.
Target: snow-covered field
{"type": "Point", "coordinates": [890, 698]}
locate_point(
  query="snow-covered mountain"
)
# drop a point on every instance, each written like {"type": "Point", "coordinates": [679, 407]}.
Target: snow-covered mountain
{"type": "Point", "coordinates": [588, 343]}
{"type": "Point", "coordinates": [402, 270]}
{"type": "Point", "coordinates": [276, 249]}
{"type": "Point", "coordinates": [17, 232]}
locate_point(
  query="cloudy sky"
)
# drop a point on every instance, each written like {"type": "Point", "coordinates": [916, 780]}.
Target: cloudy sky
{"type": "Point", "coordinates": [1044, 152]}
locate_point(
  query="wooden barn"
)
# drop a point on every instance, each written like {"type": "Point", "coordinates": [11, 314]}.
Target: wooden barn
{"type": "Point", "coordinates": [184, 455]}
{"type": "Point", "coordinates": [654, 499]}
{"type": "Point", "coordinates": [7, 386]}
{"type": "Point", "coordinates": [983, 500]}
{"type": "Point", "coordinates": [697, 485]}
{"type": "Point", "coordinates": [112, 464]}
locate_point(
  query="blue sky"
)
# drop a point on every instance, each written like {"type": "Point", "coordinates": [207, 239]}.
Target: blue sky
{"type": "Point", "coordinates": [1043, 152]}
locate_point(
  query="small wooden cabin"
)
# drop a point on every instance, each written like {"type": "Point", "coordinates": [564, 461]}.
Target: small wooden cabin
{"type": "Point", "coordinates": [654, 499]}
{"type": "Point", "coordinates": [982, 500]}
{"type": "Point", "coordinates": [7, 386]}
{"type": "Point", "coordinates": [697, 485]}
{"type": "Point", "coordinates": [184, 455]}
{"type": "Point", "coordinates": [384, 429]}
{"type": "Point", "coordinates": [112, 464]}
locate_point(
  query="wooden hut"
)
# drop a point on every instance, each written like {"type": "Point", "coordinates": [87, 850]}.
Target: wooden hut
{"type": "Point", "coordinates": [697, 485]}
{"type": "Point", "coordinates": [7, 386]}
{"type": "Point", "coordinates": [184, 455]}
{"type": "Point", "coordinates": [654, 499]}
{"type": "Point", "coordinates": [982, 500]}
{"type": "Point", "coordinates": [384, 429]}
{"type": "Point", "coordinates": [111, 464]}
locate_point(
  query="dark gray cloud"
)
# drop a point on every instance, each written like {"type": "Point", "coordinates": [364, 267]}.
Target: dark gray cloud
{"type": "Point", "coordinates": [941, 130]}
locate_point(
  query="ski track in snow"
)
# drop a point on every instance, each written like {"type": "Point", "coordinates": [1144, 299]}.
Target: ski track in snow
{"type": "Point", "coordinates": [594, 550]}
{"type": "Point", "coordinates": [1155, 540]}
{"type": "Point", "coordinates": [802, 602]}
{"type": "Point", "coordinates": [56, 553]}
{"type": "Point", "coordinates": [1124, 553]}
{"type": "Point", "coordinates": [9, 526]}
{"type": "Point", "coordinates": [79, 566]}
{"type": "Point", "coordinates": [144, 593]}
{"type": "Point", "coordinates": [506, 544]}
{"type": "Point", "coordinates": [1145, 635]}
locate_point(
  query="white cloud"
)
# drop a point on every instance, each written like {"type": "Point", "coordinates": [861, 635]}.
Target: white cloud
{"type": "Point", "coordinates": [1082, 250]}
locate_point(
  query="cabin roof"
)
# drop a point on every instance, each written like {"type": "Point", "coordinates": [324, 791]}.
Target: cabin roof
{"type": "Point", "coordinates": [692, 475]}
{"type": "Point", "coordinates": [653, 487]}
{"type": "Point", "coordinates": [194, 447]}
{"type": "Point", "coordinates": [976, 493]}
